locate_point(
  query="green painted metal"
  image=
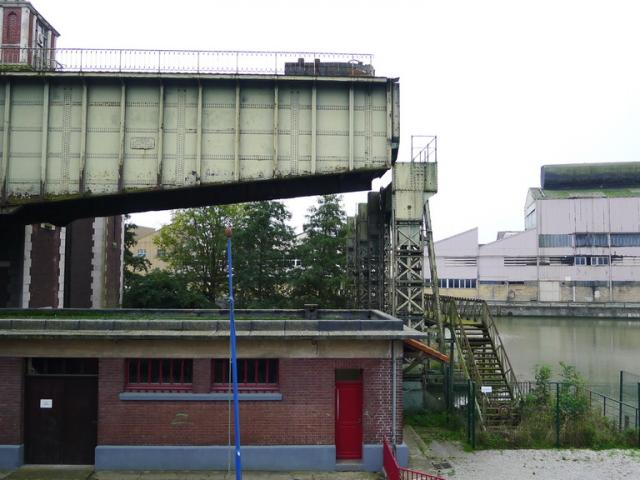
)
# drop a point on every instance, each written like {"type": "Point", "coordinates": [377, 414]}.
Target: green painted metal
{"type": "Point", "coordinates": [557, 415]}
{"type": "Point", "coordinates": [590, 175]}
{"type": "Point", "coordinates": [72, 135]}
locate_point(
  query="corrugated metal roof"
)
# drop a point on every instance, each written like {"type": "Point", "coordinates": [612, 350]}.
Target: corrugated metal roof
{"type": "Point", "coordinates": [547, 194]}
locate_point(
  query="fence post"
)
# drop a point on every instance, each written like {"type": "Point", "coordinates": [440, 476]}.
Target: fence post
{"type": "Point", "coordinates": [638, 414]}
{"type": "Point", "coordinates": [473, 415]}
{"type": "Point", "coordinates": [604, 406]}
{"type": "Point", "coordinates": [558, 415]}
{"type": "Point", "coordinates": [451, 366]}
{"type": "Point", "coordinates": [469, 409]}
{"type": "Point", "coordinates": [620, 398]}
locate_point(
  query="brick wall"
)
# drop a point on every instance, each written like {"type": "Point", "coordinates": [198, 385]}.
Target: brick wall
{"type": "Point", "coordinates": [11, 401]}
{"type": "Point", "coordinates": [78, 264]}
{"type": "Point", "coordinates": [304, 416]}
{"type": "Point", "coordinates": [11, 253]}
{"type": "Point", "coordinates": [11, 26]}
{"type": "Point", "coordinates": [113, 260]}
{"type": "Point", "coordinates": [45, 267]}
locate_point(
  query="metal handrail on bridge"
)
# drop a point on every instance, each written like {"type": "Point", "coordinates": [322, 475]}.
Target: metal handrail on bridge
{"type": "Point", "coordinates": [424, 148]}
{"type": "Point", "coordinates": [13, 57]}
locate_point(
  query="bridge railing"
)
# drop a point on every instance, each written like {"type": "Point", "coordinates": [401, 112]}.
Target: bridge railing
{"type": "Point", "coordinates": [186, 61]}
{"type": "Point", "coordinates": [424, 148]}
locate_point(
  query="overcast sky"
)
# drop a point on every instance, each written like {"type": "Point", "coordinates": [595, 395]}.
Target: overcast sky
{"type": "Point", "coordinates": [507, 86]}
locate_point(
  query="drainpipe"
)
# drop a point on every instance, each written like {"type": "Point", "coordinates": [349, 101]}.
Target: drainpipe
{"type": "Point", "coordinates": [394, 399]}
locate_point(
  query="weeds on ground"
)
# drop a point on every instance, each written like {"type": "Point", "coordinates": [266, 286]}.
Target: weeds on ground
{"type": "Point", "coordinates": [580, 425]}
{"type": "Point", "coordinates": [437, 426]}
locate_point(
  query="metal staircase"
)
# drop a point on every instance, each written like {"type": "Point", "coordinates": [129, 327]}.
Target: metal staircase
{"type": "Point", "coordinates": [481, 356]}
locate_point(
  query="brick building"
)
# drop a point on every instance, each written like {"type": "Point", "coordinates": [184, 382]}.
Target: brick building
{"type": "Point", "coordinates": [27, 37]}
{"type": "Point", "coordinates": [145, 247]}
{"type": "Point", "coordinates": [135, 393]}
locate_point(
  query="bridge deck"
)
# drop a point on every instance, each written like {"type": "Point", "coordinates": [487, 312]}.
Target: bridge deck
{"type": "Point", "coordinates": [77, 144]}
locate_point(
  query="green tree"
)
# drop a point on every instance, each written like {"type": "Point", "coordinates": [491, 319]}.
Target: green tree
{"type": "Point", "coordinates": [262, 243]}
{"type": "Point", "coordinates": [133, 265]}
{"type": "Point", "coordinates": [322, 275]}
{"type": "Point", "coordinates": [162, 289]}
{"type": "Point", "coordinates": [194, 247]}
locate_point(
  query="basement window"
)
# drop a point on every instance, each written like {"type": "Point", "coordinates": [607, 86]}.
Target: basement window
{"type": "Point", "coordinates": [159, 375]}
{"type": "Point", "coordinates": [254, 375]}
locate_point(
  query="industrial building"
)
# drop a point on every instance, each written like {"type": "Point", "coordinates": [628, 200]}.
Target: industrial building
{"type": "Point", "coordinates": [581, 242]}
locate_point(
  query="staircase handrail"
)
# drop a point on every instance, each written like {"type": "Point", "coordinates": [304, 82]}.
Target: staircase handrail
{"type": "Point", "coordinates": [501, 352]}
{"type": "Point", "coordinates": [450, 312]}
{"type": "Point", "coordinates": [481, 312]}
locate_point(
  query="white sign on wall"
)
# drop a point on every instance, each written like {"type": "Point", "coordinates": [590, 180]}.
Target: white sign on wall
{"type": "Point", "coordinates": [486, 389]}
{"type": "Point", "coordinates": [46, 403]}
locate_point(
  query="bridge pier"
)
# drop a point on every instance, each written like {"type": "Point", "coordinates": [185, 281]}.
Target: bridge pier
{"type": "Point", "coordinates": [75, 266]}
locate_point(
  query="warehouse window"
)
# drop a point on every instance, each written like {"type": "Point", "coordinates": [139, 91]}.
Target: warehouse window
{"type": "Point", "coordinates": [592, 240]}
{"type": "Point", "coordinates": [600, 260]}
{"type": "Point", "coordinates": [254, 374]}
{"type": "Point", "coordinates": [554, 240]}
{"type": "Point", "coordinates": [625, 239]}
{"type": "Point", "coordinates": [457, 282]}
{"type": "Point", "coordinates": [166, 375]}
{"type": "Point", "coordinates": [581, 261]}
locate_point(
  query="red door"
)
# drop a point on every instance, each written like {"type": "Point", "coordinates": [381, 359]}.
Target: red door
{"type": "Point", "coordinates": [348, 419]}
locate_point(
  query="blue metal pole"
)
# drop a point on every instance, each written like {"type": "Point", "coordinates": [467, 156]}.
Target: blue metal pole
{"type": "Point", "coordinates": [234, 363]}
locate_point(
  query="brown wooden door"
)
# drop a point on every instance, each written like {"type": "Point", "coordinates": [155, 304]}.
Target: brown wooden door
{"type": "Point", "coordinates": [61, 419]}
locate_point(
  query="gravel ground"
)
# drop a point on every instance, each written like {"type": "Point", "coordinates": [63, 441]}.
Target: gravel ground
{"type": "Point", "coordinates": [521, 464]}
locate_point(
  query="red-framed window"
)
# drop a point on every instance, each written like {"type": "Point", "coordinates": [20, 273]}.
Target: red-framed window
{"type": "Point", "coordinates": [254, 374]}
{"type": "Point", "coordinates": [159, 374]}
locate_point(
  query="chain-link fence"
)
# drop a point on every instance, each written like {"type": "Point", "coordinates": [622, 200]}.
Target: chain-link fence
{"type": "Point", "coordinates": [629, 399]}
{"type": "Point", "coordinates": [556, 414]}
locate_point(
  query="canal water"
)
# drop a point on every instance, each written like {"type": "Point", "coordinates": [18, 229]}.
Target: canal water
{"type": "Point", "coordinates": [599, 348]}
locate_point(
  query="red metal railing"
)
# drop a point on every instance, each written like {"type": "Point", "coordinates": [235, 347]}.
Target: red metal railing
{"type": "Point", "coordinates": [389, 463]}
{"type": "Point", "coordinates": [395, 472]}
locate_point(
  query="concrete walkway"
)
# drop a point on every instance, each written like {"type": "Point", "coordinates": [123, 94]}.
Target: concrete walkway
{"type": "Point", "coordinates": [55, 472]}
{"type": "Point", "coordinates": [84, 473]}
{"type": "Point", "coordinates": [434, 458]}
{"type": "Point", "coordinates": [232, 476]}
